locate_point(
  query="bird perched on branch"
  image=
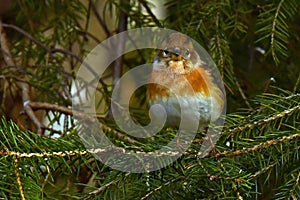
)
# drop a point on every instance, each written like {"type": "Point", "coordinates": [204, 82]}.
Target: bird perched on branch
{"type": "Point", "coordinates": [182, 85]}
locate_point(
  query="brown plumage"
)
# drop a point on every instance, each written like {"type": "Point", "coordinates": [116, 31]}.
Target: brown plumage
{"type": "Point", "coordinates": [178, 75]}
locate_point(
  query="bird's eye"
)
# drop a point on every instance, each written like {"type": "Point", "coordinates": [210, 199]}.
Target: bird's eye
{"type": "Point", "coordinates": [187, 53]}
{"type": "Point", "coordinates": [166, 53]}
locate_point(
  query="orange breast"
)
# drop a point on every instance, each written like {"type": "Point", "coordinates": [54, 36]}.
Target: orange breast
{"type": "Point", "coordinates": [199, 80]}
{"type": "Point", "coordinates": [184, 84]}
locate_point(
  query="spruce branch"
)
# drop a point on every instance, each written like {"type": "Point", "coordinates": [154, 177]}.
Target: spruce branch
{"type": "Point", "coordinates": [267, 120]}
{"type": "Point", "coordinates": [18, 177]}
{"type": "Point", "coordinates": [264, 170]}
{"type": "Point", "coordinates": [17, 154]}
{"type": "Point", "coordinates": [273, 31]}
{"type": "Point", "coordinates": [102, 188]}
{"type": "Point", "coordinates": [162, 186]}
{"type": "Point", "coordinates": [273, 25]}
{"type": "Point", "coordinates": [257, 147]}
{"type": "Point", "coordinates": [99, 190]}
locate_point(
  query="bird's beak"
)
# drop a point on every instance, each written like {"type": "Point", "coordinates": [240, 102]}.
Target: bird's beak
{"type": "Point", "coordinates": [176, 57]}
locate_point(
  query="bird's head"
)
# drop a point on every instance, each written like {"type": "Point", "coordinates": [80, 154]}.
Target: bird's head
{"type": "Point", "coordinates": [177, 53]}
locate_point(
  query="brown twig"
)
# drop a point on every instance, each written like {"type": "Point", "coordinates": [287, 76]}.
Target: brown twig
{"type": "Point", "coordinates": [101, 22]}
{"type": "Point", "coordinates": [297, 84]}
{"type": "Point", "coordinates": [156, 21]}
{"type": "Point", "coordinates": [27, 35]}
{"type": "Point", "coordinates": [123, 20]}
{"type": "Point", "coordinates": [117, 68]}
{"type": "Point", "coordinates": [242, 93]}
{"type": "Point", "coordinates": [22, 85]}
{"type": "Point", "coordinates": [8, 58]}
{"type": "Point", "coordinates": [68, 111]}
{"type": "Point", "coordinates": [55, 50]}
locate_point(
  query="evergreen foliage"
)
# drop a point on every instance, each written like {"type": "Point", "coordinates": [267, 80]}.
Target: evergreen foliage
{"type": "Point", "coordinates": [254, 45]}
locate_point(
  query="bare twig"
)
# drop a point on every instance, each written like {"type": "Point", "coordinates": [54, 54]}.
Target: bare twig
{"type": "Point", "coordinates": [53, 107]}
{"type": "Point", "coordinates": [55, 50]}
{"type": "Point", "coordinates": [242, 93]}
{"type": "Point", "coordinates": [156, 21]}
{"type": "Point", "coordinates": [23, 86]}
{"type": "Point", "coordinates": [68, 111]}
{"type": "Point", "coordinates": [117, 69]}
{"type": "Point", "coordinates": [27, 35]}
{"type": "Point", "coordinates": [123, 20]}
{"type": "Point", "coordinates": [8, 58]}
{"type": "Point", "coordinates": [101, 22]}
{"type": "Point", "coordinates": [62, 51]}
{"type": "Point", "coordinates": [297, 84]}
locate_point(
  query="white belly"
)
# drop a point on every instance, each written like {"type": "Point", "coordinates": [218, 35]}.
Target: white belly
{"type": "Point", "coordinates": [191, 111]}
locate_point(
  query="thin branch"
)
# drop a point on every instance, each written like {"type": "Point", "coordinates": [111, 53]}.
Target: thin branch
{"type": "Point", "coordinates": [18, 176]}
{"type": "Point", "coordinates": [27, 35]}
{"type": "Point", "coordinates": [68, 111]}
{"type": "Point", "coordinates": [4, 44]}
{"type": "Point", "coordinates": [256, 147]}
{"type": "Point", "coordinates": [161, 186]}
{"type": "Point", "coordinates": [23, 86]}
{"type": "Point", "coordinates": [144, 3]}
{"type": "Point", "coordinates": [118, 63]}
{"type": "Point", "coordinates": [242, 93]}
{"type": "Point", "coordinates": [54, 107]}
{"type": "Point", "coordinates": [102, 188]}
{"type": "Point", "coordinates": [123, 20]}
{"type": "Point", "coordinates": [101, 22]}
{"type": "Point", "coordinates": [297, 84]}
{"type": "Point", "coordinates": [274, 30]}
{"type": "Point", "coordinates": [264, 170]}
{"type": "Point", "coordinates": [87, 20]}
{"type": "Point", "coordinates": [90, 35]}
{"type": "Point", "coordinates": [53, 50]}
{"type": "Point", "coordinates": [99, 190]}
{"type": "Point", "coordinates": [263, 121]}
{"type": "Point", "coordinates": [43, 154]}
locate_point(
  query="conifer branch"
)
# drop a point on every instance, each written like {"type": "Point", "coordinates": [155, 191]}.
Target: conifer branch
{"type": "Point", "coordinates": [18, 176]}
{"type": "Point", "coordinates": [264, 121]}
{"type": "Point", "coordinates": [264, 170]}
{"type": "Point", "coordinates": [257, 147]}
{"type": "Point", "coordinates": [161, 186]}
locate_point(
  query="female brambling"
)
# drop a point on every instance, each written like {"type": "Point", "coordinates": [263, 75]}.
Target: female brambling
{"type": "Point", "coordinates": [183, 86]}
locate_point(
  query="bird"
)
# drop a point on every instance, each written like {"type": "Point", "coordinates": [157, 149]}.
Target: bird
{"type": "Point", "coordinates": [182, 83]}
